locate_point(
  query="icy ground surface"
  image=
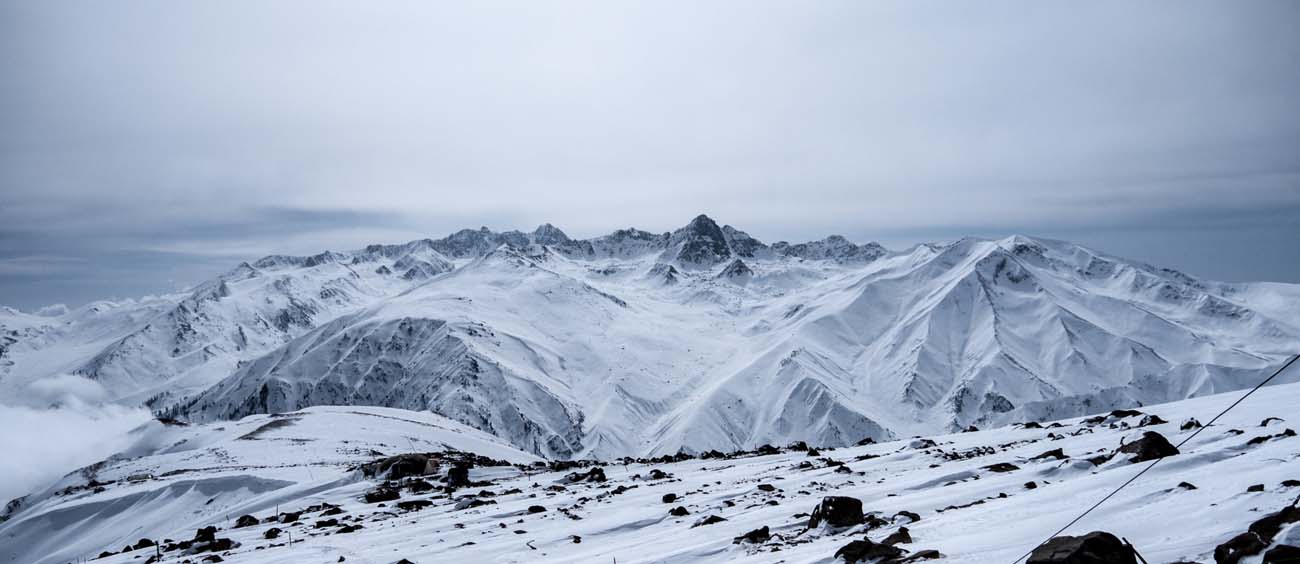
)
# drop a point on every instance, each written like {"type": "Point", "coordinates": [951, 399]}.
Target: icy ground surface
{"type": "Point", "coordinates": [187, 477]}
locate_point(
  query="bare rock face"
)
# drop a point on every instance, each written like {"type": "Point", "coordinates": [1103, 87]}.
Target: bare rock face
{"type": "Point", "coordinates": [1151, 446]}
{"type": "Point", "coordinates": [1096, 547]}
{"type": "Point", "coordinates": [837, 511]}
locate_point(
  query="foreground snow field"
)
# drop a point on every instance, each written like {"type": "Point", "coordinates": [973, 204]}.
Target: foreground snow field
{"type": "Point", "coordinates": [970, 491]}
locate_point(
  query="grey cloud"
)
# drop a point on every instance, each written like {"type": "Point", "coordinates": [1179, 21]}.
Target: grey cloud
{"type": "Point", "coordinates": [171, 135]}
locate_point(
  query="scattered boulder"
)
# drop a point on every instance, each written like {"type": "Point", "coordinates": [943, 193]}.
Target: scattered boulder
{"type": "Point", "coordinates": [901, 536]}
{"type": "Point", "coordinates": [1268, 420]}
{"type": "Point", "coordinates": [246, 521]}
{"type": "Point", "coordinates": [1186, 485]}
{"type": "Point", "coordinates": [272, 533]}
{"type": "Point", "coordinates": [326, 523]}
{"type": "Point", "coordinates": [536, 509]}
{"type": "Point", "coordinates": [1097, 547]}
{"type": "Point", "coordinates": [837, 511]}
{"type": "Point", "coordinates": [290, 516]}
{"type": "Point", "coordinates": [1122, 413]}
{"type": "Point", "coordinates": [1151, 420]}
{"type": "Point", "coordinates": [1002, 467]}
{"type": "Point", "coordinates": [143, 543]}
{"type": "Point", "coordinates": [596, 474]}
{"type": "Point", "coordinates": [1267, 527]}
{"type": "Point", "coordinates": [711, 519]}
{"type": "Point", "coordinates": [414, 504]}
{"type": "Point", "coordinates": [669, 497]}
{"type": "Point", "coordinates": [814, 452]}
{"type": "Point", "coordinates": [382, 493]}
{"type": "Point", "coordinates": [401, 466]}
{"type": "Point", "coordinates": [756, 536]}
{"type": "Point", "coordinates": [1255, 488]}
{"type": "Point", "coordinates": [766, 487]}
{"type": "Point", "coordinates": [1031, 485]}
{"type": "Point", "coordinates": [909, 515]}
{"type": "Point", "coordinates": [1282, 554]}
{"type": "Point", "coordinates": [1189, 424]}
{"type": "Point", "coordinates": [458, 475]}
{"type": "Point", "coordinates": [865, 551]}
{"type": "Point", "coordinates": [866, 441]}
{"type": "Point", "coordinates": [206, 534]}
{"type": "Point", "coordinates": [1151, 446]}
{"type": "Point", "coordinates": [678, 511]}
{"type": "Point", "coordinates": [1238, 547]}
{"type": "Point", "coordinates": [1058, 454]}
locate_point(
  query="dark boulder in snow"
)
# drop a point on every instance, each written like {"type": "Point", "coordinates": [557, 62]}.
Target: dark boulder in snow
{"type": "Point", "coordinates": [867, 551]}
{"type": "Point", "coordinates": [678, 511]}
{"type": "Point", "coordinates": [596, 474]}
{"type": "Point", "coordinates": [1151, 420]}
{"type": "Point", "coordinates": [246, 521]}
{"type": "Point", "coordinates": [1002, 467]}
{"type": "Point", "coordinates": [458, 475]}
{"type": "Point", "coordinates": [901, 536]}
{"type": "Point", "coordinates": [1282, 554]}
{"type": "Point", "coordinates": [1238, 547]}
{"type": "Point", "coordinates": [382, 494]}
{"type": "Point", "coordinates": [206, 534]}
{"type": "Point", "coordinates": [911, 516]}
{"type": "Point", "coordinates": [401, 466]}
{"type": "Point", "coordinates": [756, 536]}
{"type": "Point", "coordinates": [271, 533]}
{"type": "Point", "coordinates": [1058, 454]}
{"type": "Point", "coordinates": [1151, 446]}
{"type": "Point", "coordinates": [1097, 547]}
{"type": "Point", "coordinates": [536, 509]}
{"type": "Point", "coordinates": [1268, 526]}
{"type": "Point", "coordinates": [837, 511]}
{"type": "Point", "coordinates": [710, 520]}
{"type": "Point", "coordinates": [669, 497]}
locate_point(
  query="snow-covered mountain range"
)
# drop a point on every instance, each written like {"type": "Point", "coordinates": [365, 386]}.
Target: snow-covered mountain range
{"type": "Point", "coordinates": [703, 338]}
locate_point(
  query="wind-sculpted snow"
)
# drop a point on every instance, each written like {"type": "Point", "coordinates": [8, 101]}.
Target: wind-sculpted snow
{"type": "Point", "coordinates": [702, 338]}
{"type": "Point", "coordinates": [355, 484]}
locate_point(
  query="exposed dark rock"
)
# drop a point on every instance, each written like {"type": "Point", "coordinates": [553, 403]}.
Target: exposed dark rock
{"type": "Point", "coordinates": [1030, 485]}
{"type": "Point", "coordinates": [814, 452]}
{"type": "Point", "coordinates": [1189, 424]}
{"type": "Point", "coordinates": [1002, 467]}
{"type": "Point", "coordinates": [458, 475]}
{"type": "Point", "coordinates": [669, 497]}
{"type": "Point", "coordinates": [596, 474]}
{"type": "Point", "coordinates": [143, 543]}
{"type": "Point", "coordinates": [756, 536]}
{"type": "Point", "coordinates": [837, 511]}
{"type": "Point", "coordinates": [290, 516]}
{"type": "Point", "coordinates": [271, 533]}
{"type": "Point", "coordinates": [1096, 547]}
{"type": "Point", "coordinates": [678, 511]}
{"type": "Point", "coordinates": [246, 521]}
{"type": "Point", "coordinates": [1282, 554]}
{"type": "Point", "coordinates": [766, 487]}
{"type": "Point", "coordinates": [206, 534]}
{"type": "Point", "coordinates": [901, 536]}
{"type": "Point", "coordinates": [382, 493]}
{"type": "Point", "coordinates": [1268, 420]}
{"type": "Point", "coordinates": [1122, 413]}
{"type": "Point", "coordinates": [1267, 527]}
{"type": "Point", "coordinates": [1056, 453]}
{"type": "Point", "coordinates": [866, 441]}
{"type": "Point", "coordinates": [711, 519]}
{"type": "Point", "coordinates": [1186, 485]}
{"type": "Point", "coordinates": [865, 551]}
{"type": "Point", "coordinates": [414, 504]}
{"type": "Point", "coordinates": [536, 509]}
{"type": "Point", "coordinates": [1238, 547]}
{"type": "Point", "coordinates": [1151, 420]}
{"type": "Point", "coordinates": [1151, 446]}
{"type": "Point", "coordinates": [401, 466]}
{"type": "Point", "coordinates": [912, 516]}
{"type": "Point", "coordinates": [326, 523]}
{"type": "Point", "coordinates": [1255, 488]}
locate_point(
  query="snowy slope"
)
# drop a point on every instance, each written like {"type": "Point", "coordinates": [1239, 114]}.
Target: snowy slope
{"type": "Point", "coordinates": [177, 476]}
{"type": "Point", "coordinates": [702, 338]}
{"type": "Point", "coordinates": [972, 507]}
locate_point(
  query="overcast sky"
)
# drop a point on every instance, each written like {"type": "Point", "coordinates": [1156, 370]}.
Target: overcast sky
{"type": "Point", "coordinates": [147, 145]}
